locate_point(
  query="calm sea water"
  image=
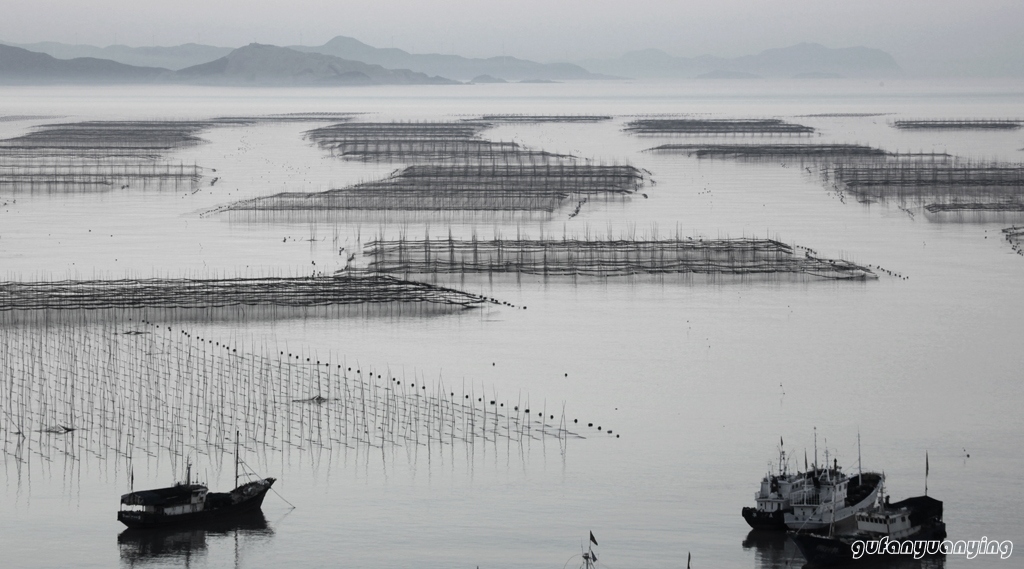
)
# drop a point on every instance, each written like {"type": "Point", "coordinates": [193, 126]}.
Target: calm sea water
{"type": "Point", "coordinates": [700, 379]}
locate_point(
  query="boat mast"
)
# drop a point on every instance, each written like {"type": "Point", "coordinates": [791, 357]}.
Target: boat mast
{"type": "Point", "coordinates": [827, 471]}
{"type": "Point", "coordinates": [589, 559]}
{"type": "Point", "coordinates": [832, 526]}
{"type": "Point", "coordinates": [236, 459]}
{"type": "Point", "coordinates": [815, 450]}
{"type": "Point", "coordinates": [782, 458]}
{"type": "Point", "coordinates": [860, 467]}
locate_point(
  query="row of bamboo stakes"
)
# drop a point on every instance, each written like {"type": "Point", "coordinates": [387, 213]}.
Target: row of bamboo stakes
{"type": "Point", "coordinates": [120, 388]}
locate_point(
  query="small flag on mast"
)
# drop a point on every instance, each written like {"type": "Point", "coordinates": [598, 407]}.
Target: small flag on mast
{"type": "Point", "coordinates": [592, 538]}
{"type": "Point", "coordinates": [925, 473]}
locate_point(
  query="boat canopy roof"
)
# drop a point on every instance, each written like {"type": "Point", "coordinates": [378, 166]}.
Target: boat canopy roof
{"type": "Point", "coordinates": [178, 494]}
{"type": "Point", "coordinates": [925, 506]}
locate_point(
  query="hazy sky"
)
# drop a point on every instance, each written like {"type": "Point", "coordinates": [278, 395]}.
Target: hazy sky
{"type": "Point", "coordinates": [918, 33]}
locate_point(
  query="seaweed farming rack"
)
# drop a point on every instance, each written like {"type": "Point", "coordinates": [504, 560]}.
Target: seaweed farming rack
{"type": "Point", "coordinates": [484, 186]}
{"type": "Point", "coordinates": [418, 142]}
{"type": "Point", "coordinates": [138, 138]}
{"type": "Point", "coordinates": [715, 127]}
{"type": "Point", "coordinates": [496, 119]}
{"type": "Point", "coordinates": [771, 151]}
{"type": "Point", "coordinates": [958, 124]}
{"type": "Point", "coordinates": [76, 175]}
{"type": "Point", "coordinates": [130, 390]}
{"type": "Point", "coordinates": [296, 292]}
{"type": "Point", "coordinates": [924, 180]}
{"type": "Point", "coordinates": [99, 139]}
{"type": "Point", "coordinates": [604, 258]}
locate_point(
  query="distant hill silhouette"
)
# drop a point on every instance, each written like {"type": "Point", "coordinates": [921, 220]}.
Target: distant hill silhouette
{"type": "Point", "coordinates": [805, 60]}
{"type": "Point", "coordinates": [346, 61]}
{"type": "Point", "coordinates": [454, 66]}
{"type": "Point", "coordinates": [487, 79]}
{"type": "Point", "coordinates": [174, 57]}
{"type": "Point", "coordinates": [259, 64]}
{"type": "Point", "coordinates": [21, 66]}
{"type": "Point", "coordinates": [254, 64]}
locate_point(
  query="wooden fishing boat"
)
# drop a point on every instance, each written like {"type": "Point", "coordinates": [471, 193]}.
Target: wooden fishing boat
{"type": "Point", "coordinates": [188, 503]}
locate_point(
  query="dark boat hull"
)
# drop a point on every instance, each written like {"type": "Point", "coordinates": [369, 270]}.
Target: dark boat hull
{"type": "Point", "coordinates": [140, 520]}
{"type": "Point", "coordinates": [759, 519]}
{"type": "Point", "coordinates": [821, 551]}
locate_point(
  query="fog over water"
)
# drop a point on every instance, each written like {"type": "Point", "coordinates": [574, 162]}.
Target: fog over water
{"type": "Point", "coordinates": [692, 379]}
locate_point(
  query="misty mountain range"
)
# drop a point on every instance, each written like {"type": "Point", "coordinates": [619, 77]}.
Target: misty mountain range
{"type": "Point", "coordinates": [346, 61]}
{"type": "Point", "coordinates": [251, 65]}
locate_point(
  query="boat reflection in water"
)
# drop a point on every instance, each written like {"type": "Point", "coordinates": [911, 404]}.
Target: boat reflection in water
{"type": "Point", "coordinates": [179, 546]}
{"type": "Point", "coordinates": [774, 550]}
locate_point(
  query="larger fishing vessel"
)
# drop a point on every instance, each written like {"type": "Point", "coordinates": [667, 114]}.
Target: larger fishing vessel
{"type": "Point", "coordinates": [831, 498]}
{"type": "Point", "coordinates": [772, 500]}
{"type": "Point", "coordinates": [813, 500]}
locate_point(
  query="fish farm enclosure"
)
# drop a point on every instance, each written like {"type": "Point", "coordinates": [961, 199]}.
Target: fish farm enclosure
{"type": "Point", "coordinates": [465, 325]}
